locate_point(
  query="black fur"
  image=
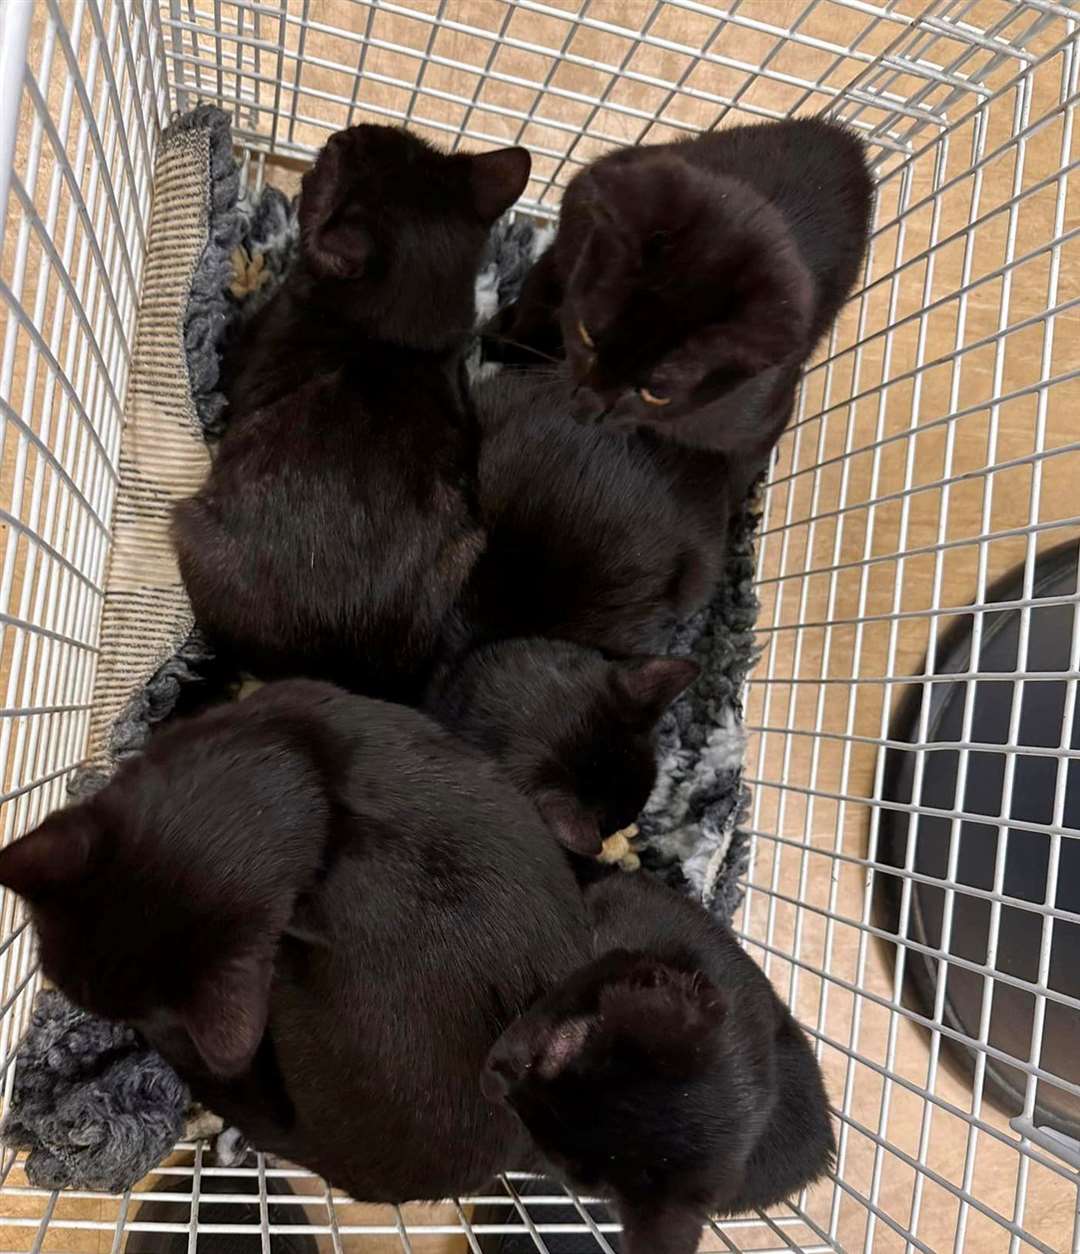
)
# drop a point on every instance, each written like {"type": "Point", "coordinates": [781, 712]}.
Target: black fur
{"type": "Point", "coordinates": [322, 910]}
{"type": "Point", "coordinates": [702, 271]}
{"type": "Point", "coordinates": [335, 529]}
{"type": "Point", "coordinates": [595, 536]}
{"type": "Point", "coordinates": [348, 910]}
{"type": "Point", "coordinates": [573, 730]}
{"type": "Point", "coordinates": [667, 1074]}
{"type": "Point", "coordinates": [599, 542]}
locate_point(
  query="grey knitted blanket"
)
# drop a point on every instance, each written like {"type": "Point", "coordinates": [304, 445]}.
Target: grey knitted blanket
{"type": "Point", "coordinates": [94, 1107]}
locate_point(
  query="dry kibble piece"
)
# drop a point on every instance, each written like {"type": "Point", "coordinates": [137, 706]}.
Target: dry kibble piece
{"type": "Point", "coordinates": [614, 849]}
{"type": "Point", "coordinates": [248, 272]}
{"type": "Point", "coordinates": [617, 846]}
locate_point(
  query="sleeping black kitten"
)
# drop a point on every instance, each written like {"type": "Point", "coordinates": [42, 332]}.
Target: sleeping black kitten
{"type": "Point", "coordinates": [666, 1075]}
{"type": "Point", "coordinates": [599, 542]}
{"type": "Point", "coordinates": [594, 536]}
{"type": "Point", "coordinates": [573, 730]}
{"type": "Point", "coordinates": [322, 910]}
{"type": "Point", "coordinates": [335, 529]}
{"type": "Point", "coordinates": [688, 282]}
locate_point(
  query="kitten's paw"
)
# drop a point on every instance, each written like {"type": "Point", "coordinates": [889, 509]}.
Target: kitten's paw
{"type": "Point", "coordinates": [614, 849]}
{"type": "Point", "coordinates": [248, 272]}
{"type": "Point", "coordinates": [201, 1124]}
{"type": "Point", "coordinates": [230, 1148]}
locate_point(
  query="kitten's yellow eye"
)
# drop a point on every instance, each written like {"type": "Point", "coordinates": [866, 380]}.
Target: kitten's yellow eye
{"type": "Point", "coordinates": [650, 399]}
{"type": "Point", "coordinates": [586, 338]}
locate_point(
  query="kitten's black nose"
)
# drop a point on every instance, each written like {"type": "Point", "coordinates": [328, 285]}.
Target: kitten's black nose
{"type": "Point", "coordinates": [506, 1066]}
{"type": "Point", "coordinates": [498, 1077]}
{"type": "Point", "coordinates": [493, 1085]}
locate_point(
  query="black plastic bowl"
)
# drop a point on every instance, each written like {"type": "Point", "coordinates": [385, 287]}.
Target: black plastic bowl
{"type": "Point", "coordinates": [1027, 862]}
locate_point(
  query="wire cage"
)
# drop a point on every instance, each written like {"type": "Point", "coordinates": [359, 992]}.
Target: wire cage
{"type": "Point", "coordinates": [935, 448]}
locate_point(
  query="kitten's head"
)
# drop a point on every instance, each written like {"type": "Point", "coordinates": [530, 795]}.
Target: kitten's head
{"type": "Point", "coordinates": [683, 285]}
{"type": "Point", "coordinates": [392, 229]}
{"type": "Point", "coordinates": [574, 730]}
{"type": "Point", "coordinates": [626, 1082]}
{"type": "Point", "coordinates": [160, 901]}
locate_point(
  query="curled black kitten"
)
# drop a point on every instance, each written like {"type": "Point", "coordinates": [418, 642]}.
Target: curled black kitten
{"type": "Point", "coordinates": [322, 911]}
{"type": "Point", "coordinates": [688, 282]}
{"type": "Point", "coordinates": [667, 1074]}
{"type": "Point", "coordinates": [335, 529]}
{"type": "Point", "coordinates": [574, 731]}
{"type": "Point", "coordinates": [597, 544]}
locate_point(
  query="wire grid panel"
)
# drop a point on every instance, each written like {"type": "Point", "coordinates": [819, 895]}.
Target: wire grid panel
{"type": "Point", "coordinates": [931, 449]}
{"type": "Point", "coordinates": [189, 1196]}
{"type": "Point", "coordinates": [935, 447]}
{"type": "Point", "coordinates": [81, 91]}
{"type": "Point", "coordinates": [568, 78]}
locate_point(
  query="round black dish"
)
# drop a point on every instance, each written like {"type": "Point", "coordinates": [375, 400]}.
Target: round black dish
{"type": "Point", "coordinates": [1042, 713]}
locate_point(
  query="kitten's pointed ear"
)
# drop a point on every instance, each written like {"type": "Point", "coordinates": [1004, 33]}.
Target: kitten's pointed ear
{"type": "Point", "coordinates": [333, 238]}
{"type": "Point", "coordinates": [569, 824]}
{"type": "Point", "coordinates": [498, 179]}
{"type": "Point", "coordinates": [654, 1227]}
{"type": "Point", "coordinates": [667, 1011]}
{"type": "Point", "coordinates": [342, 248]}
{"type": "Point", "coordinates": [226, 1015]}
{"type": "Point", "coordinates": [562, 1044]}
{"type": "Point", "coordinates": [50, 858]}
{"type": "Point", "coordinates": [650, 684]}
{"type": "Point", "coordinates": [530, 1050]}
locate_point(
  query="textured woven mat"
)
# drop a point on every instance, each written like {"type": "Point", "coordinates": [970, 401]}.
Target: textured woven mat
{"type": "Point", "coordinates": [146, 620]}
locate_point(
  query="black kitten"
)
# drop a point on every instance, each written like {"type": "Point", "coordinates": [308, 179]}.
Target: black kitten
{"type": "Point", "coordinates": [574, 731]}
{"type": "Point", "coordinates": [595, 536]}
{"type": "Point", "coordinates": [323, 911]}
{"type": "Point", "coordinates": [335, 529]}
{"type": "Point", "coordinates": [600, 542]}
{"type": "Point", "coordinates": [666, 1075]}
{"type": "Point", "coordinates": [689, 281]}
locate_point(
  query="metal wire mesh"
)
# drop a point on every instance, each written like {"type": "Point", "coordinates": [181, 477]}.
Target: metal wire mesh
{"type": "Point", "coordinates": [934, 448]}
{"type": "Point", "coordinates": [82, 93]}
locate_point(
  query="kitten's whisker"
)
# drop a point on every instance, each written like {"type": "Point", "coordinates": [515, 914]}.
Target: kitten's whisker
{"type": "Point", "coordinates": [307, 938]}
{"type": "Point", "coordinates": [499, 338]}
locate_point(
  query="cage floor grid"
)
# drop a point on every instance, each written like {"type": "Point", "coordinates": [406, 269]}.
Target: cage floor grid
{"type": "Point", "coordinates": [935, 447]}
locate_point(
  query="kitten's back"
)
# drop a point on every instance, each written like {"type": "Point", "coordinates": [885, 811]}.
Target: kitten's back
{"type": "Point", "coordinates": [446, 909]}
{"type": "Point", "coordinates": [593, 536]}
{"type": "Point", "coordinates": [798, 1145]}
{"type": "Point", "coordinates": [815, 173]}
{"type": "Point", "coordinates": [331, 539]}
{"type": "Point", "coordinates": [344, 906]}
